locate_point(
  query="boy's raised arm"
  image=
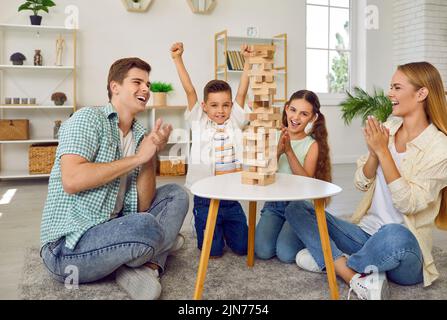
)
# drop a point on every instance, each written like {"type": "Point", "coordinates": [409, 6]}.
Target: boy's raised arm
{"type": "Point", "coordinates": [176, 54]}
{"type": "Point", "coordinates": [245, 82]}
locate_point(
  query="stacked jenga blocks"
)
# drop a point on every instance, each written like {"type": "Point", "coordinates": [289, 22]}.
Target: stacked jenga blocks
{"type": "Point", "coordinates": [260, 137]}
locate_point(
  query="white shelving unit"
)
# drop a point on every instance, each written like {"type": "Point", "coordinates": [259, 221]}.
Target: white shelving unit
{"type": "Point", "coordinates": [26, 81]}
{"type": "Point", "coordinates": [223, 43]}
{"type": "Point", "coordinates": [180, 140]}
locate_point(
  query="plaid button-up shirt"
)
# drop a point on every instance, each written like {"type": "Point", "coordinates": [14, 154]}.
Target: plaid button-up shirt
{"type": "Point", "coordinates": [93, 134]}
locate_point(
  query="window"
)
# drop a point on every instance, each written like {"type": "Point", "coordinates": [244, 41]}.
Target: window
{"type": "Point", "coordinates": [328, 45]}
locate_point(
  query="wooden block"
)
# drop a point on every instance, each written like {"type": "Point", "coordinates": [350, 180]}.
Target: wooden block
{"type": "Point", "coordinates": [252, 169]}
{"type": "Point", "coordinates": [259, 60]}
{"type": "Point", "coordinates": [258, 73]}
{"type": "Point", "coordinates": [264, 85]}
{"type": "Point", "coordinates": [269, 78]}
{"type": "Point", "coordinates": [264, 98]}
{"type": "Point", "coordinates": [261, 47]}
{"type": "Point", "coordinates": [265, 124]}
{"type": "Point", "coordinates": [262, 110]}
{"type": "Point", "coordinates": [269, 117]}
{"type": "Point", "coordinates": [267, 181]}
{"type": "Point", "coordinates": [260, 104]}
{"type": "Point", "coordinates": [249, 181]}
{"type": "Point", "coordinates": [256, 163]}
{"type": "Point", "coordinates": [264, 91]}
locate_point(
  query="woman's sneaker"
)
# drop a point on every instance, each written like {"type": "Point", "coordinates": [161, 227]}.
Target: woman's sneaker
{"type": "Point", "coordinates": [142, 283]}
{"type": "Point", "coordinates": [305, 261]}
{"type": "Point", "coordinates": [373, 286]}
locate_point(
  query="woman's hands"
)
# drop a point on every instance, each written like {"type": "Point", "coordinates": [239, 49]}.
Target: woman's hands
{"type": "Point", "coordinates": [377, 137]}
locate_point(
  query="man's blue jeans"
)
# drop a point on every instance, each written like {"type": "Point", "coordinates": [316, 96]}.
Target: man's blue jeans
{"type": "Point", "coordinates": [393, 249]}
{"type": "Point", "coordinates": [231, 226]}
{"type": "Point", "coordinates": [131, 240]}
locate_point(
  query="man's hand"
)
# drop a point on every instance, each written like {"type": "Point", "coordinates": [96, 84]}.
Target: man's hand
{"type": "Point", "coordinates": [160, 134]}
{"type": "Point", "coordinates": [154, 142]}
{"type": "Point", "coordinates": [177, 50]}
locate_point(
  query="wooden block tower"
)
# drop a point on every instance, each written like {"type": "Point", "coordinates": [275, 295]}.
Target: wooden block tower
{"type": "Point", "coordinates": [260, 144]}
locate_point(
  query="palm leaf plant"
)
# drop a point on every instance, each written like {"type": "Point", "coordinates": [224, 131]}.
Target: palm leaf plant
{"type": "Point", "coordinates": [361, 104]}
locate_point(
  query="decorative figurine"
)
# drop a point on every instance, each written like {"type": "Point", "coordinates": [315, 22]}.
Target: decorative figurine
{"type": "Point", "coordinates": [60, 42]}
{"type": "Point", "coordinates": [37, 58]}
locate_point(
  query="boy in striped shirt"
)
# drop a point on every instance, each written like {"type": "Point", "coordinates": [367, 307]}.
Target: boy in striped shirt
{"type": "Point", "coordinates": [216, 149]}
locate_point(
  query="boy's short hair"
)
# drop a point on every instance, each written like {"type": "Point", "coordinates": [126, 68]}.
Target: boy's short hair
{"type": "Point", "coordinates": [216, 86]}
{"type": "Point", "coordinates": [119, 69]}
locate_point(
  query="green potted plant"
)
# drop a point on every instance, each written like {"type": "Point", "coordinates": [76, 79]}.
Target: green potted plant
{"type": "Point", "coordinates": [160, 91]}
{"type": "Point", "coordinates": [362, 104]}
{"type": "Point", "coordinates": [35, 6]}
{"type": "Point", "coordinates": [59, 98]}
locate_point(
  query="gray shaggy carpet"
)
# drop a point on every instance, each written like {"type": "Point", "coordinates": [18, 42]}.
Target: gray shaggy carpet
{"type": "Point", "coordinates": [228, 278]}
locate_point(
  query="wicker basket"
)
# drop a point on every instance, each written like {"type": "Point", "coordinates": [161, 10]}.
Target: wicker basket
{"type": "Point", "coordinates": [172, 166]}
{"type": "Point", "coordinates": [41, 158]}
{"type": "Point", "coordinates": [14, 129]}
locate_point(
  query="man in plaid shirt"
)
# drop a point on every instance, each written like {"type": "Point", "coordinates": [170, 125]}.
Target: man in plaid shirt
{"type": "Point", "coordinates": [103, 211]}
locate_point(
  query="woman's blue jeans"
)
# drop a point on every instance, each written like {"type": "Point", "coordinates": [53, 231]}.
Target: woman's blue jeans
{"type": "Point", "coordinates": [131, 240]}
{"type": "Point", "coordinates": [393, 249]}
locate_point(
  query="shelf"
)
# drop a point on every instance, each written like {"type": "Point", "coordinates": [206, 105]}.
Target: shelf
{"type": "Point", "coordinates": [20, 174]}
{"type": "Point", "coordinates": [249, 39]}
{"type": "Point", "coordinates": [179, 142]}
{"type": "Point", "coordinates": [26, 107]}
{"type": "Point", "coordinates": [28, 141]}
{"type": "Point", "coordinates": [278, 72]}
{"type": "Point", "coordinates": [34, 28]}
{"type": "Point", "coordinates": [28, 67]}
{"type": "Point", "coordinates": [166, 107]}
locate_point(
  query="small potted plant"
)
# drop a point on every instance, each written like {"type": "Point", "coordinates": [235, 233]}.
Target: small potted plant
{"type": "Point", "coordinates": [59, 98]}
{"type": "Point", "coordinates": [160, 90]}
{"type": "Point", "coordinates": [35, 6]}
{"type": "Point", "coordinates": [17, 59]}
{"type": "Point", "coordinates": [362, 104]}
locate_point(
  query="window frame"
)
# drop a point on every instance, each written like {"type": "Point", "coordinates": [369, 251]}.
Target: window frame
{"type": "Point", "coordinates": [334, 99]}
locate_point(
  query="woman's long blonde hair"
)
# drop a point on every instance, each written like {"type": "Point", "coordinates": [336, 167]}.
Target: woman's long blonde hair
{"type": "Point", "coordinates": [425, 75]}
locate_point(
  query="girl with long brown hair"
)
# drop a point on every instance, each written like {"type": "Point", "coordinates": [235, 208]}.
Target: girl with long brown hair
{"type": "Point", "coordinates": [302, 150]}
{"type": "Point", "coordinates": [404, 177]}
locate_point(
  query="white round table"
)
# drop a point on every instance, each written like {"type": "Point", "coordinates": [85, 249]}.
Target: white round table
{"type": "Point", "coordinates": [286, 188]}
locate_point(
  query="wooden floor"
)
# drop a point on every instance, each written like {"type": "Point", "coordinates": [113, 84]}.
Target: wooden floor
{"type": "Point", "coordinates": [20, 220]}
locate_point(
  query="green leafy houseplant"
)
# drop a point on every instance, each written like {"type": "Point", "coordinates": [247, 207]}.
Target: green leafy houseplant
{"type": "Point", "coordinates": [362, 104]}
{"type": "Point", "coordinates": [161, 90]}
{"type": "Point", "coordinates": [35, 6]}
{"type": "Point", "coordinates": [161, 87]}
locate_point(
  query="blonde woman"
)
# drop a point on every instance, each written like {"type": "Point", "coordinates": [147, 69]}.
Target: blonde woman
{"type": "Point", "coordinates": [405, 179]}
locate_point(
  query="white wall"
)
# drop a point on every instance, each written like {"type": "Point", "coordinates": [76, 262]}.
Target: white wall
{"type": "Point", "coordinates": [109, 32]}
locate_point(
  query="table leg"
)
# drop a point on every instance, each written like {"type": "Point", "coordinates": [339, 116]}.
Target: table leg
{"type": "Point", "coordinates": [251, 234]}
{"type": "Point", "coordinates": [327, 252]}
{"type": "Point", "coordinates": [206, 248]}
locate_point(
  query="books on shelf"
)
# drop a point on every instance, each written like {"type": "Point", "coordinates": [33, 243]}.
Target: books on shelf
{"type": "Point", "coordinates": [235, 60]}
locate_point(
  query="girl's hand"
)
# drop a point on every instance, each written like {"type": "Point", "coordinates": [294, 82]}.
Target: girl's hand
{"type": "Point", "coordinates": [287, 145]}
{"type": "Point", "coordinates": [281, 143]}
{"type": "Point", "coordinates": [377, 137]}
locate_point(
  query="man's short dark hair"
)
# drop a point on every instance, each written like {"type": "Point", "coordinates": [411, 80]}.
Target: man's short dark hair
{"type": "Point", "coordinates": [216, 86]}
{"type": "Point", "coordinates": [120, 68]}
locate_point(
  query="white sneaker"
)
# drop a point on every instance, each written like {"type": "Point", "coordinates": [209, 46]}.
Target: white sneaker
{"type": "Point", "coordinates": [305, 261]}
{"type": "Point", "coordinates": [142, 283]}
{"type": "Point", "coordinates": [178, 244]}
{"type": "Point", "coordinates": [370, 287]}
